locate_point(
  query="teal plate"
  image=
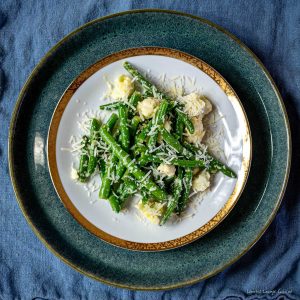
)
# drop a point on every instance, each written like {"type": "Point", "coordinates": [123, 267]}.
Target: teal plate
{"type": "Point", "coordinates": [84, 251]}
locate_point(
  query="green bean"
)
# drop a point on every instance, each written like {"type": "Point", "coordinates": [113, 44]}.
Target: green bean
{"type": "Point", "coordinates": [134, 126]}
{"type": "Point", "coordinates": [189, 163]}
{"type": "Point", "coordinates": [102, 167]}
{"type": "Point", "coordinates": [92, 164]}
{"type": "Point", "coordinates": [135, 98]}
{"type": "Point", "coordinates": [174, 143]}
{"type": "Point", "coordinates": [116, 130]}
{"type": "Point", "coordinates": [104, 191]}
{"type": "Point", "coordinates": [124, 137]}
{"type": "Point", "coordinates": [147, 94]}
{"type": "Point", "coordinates": [120, 169]}
{"type": "Point", "coordinates": [146, 158]}
{"type": "Point", "coordinates": [111, 122]}
{"type": "Point", "coordinates": [129, 189]}
{"type": "Point", "coordinates": [145, 196]}
{"type": "Point", "coordinates": [84, 161]}
{"type": "Point", "coordinates": [185, 119]}
{"type": "Point", "coordinates": [139, 149]}
{"type": "Point", "coordinates": [187, 183]}
{"type": "Point", "coordinates": [94, 137]}
{"type": "Point", "coordinates": [105, 187]}
{"type": "Point", "coordinates": [141, 137]}
{"type": "Point", "coordinates": [179, 128]}
{"type": "Point", "coordinates": [110, 106]}
{"type": "Point", "coordinates": [95, 126]}
{"type": "Point", "coordinates": [173, 202]}
{"type": "Point", "coordinates": [158, 193]}
{"type": "Point", "coordinates": [171, 140]}
{"type": "Point", "coordinates": [190, 147]}
{"type": "Point", "coordinates": [158, 119]}
{"type": "Point", "coordinates": [149, 87]}
{"type": "Point", "coordinates": [114, 203]}
{"type": "Point", "coordinates": [83, 166]}
{"type": "Point", "coordinates": [124, 129]}
{"type": "Point", "coordinates": [214, 164]}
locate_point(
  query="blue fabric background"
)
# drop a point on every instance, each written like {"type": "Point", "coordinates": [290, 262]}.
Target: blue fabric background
{"type": "Point", "coordinates": [271, 270]}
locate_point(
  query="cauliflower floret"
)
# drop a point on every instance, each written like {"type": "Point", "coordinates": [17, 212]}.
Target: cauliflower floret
{"type": "Point", "coordinates": [123, 87]}
{"type": "Point", "coordinates": [201, 181]}
{"type": "Point", "coordinates": [193, 105]}
{"type": "Point", "coordinates": [165, 169]}
{"type": "Point", "coordinates": [148, 107]}
{"type": "Point", "coordinates": [168, 125]}
{"type": "Point", "coordinates": [151, 210]}
{"type": "Point", "coordinates": [208, 105]}
{"type": "Point", "coordinates": [199, 133]}
{"type": "Point", "coordinates": [196, 105]}
{"type": "Point", "coordinates": [74, 174]}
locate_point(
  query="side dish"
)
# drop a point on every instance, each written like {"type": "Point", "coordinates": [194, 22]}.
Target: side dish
{"type": "Point", "coordinates": [150, 145]}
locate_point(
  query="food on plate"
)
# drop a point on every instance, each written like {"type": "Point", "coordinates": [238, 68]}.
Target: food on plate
{"type": "Point", "coordinates": [150, 145]}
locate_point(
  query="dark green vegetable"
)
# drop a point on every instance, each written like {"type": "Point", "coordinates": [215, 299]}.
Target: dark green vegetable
{"type": "Point", "coordinates": [110, 106]}
{"type": "Point", "coordinates": [120, 169]}
{"type": "Point", "coordinates": [111, 122]}
{"type": "Point", "coordinates": [158, 193]}
{"type": "Point", "coordinates": [139, 149]}
{"type": "Point", "coordinates": [102, 167]}
{"type": "Point", "coordinates": [134, 126]}
{"type": "Point", "coordinates": [214, 164]}
{"type": "Point", "coordinates": [187, 184]}
{"type": "Point", "coordinates": [145, 196]}
{"type": "Point", "coordinates": [124, 129]}
{"type": "Point", "coordinates": [134, 99]}
{"type": "Point", "coordinates": [149, 87]}
{"type": "Point", "coordinates": [186, 120]}
{"type": "Point", "coordinates": [174, 143]}
{"type": "Point", "coordinates": [141, 137]}
{"type": "Point", "coordinates": [95, 126]}
{"type": "Point", "coordinates": [114, 203]}
{"type": "Point", "coordinates": [158, 119]}
{"type": "Point", "coordinates": [179, 128]}
{"type": "Point", "coordinates": [105, 187]}
{"type": "Point", "coordinates": [173, 202]}
{"type": "Point", "coordinates": [84, 160]}
{"type": "Point", "coordinates": [147, 158]}
{"type": "Point", "coordinates": [94, 138]}
{"type": "Point", "coordinates": [83, 167]}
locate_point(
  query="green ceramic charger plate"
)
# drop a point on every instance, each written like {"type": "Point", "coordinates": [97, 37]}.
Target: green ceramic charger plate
{"type": "Point", "coordinates": [149, 270]}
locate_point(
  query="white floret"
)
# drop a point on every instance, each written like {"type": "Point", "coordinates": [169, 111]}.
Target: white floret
{"type": "Point", "coordinates": [168, 125]}
{"type": "Point", "coordinates": [74, 174]}
{"type": "Point", "coordinates": [123, 87]}
{"type": "Point", "coordinates": [151, 210]}
{"type": "Point", "coordinates": [168, 170]}
{"type": "Point", "coordinates": [148, 107]}
{"type": "Point", "coordinates": [199, 132]}
{"type": "Point", "coordinates": [201, 181]}
{"type": "Point", "coordinates": [208, 105]}
{"type": "Point", "coordinates": [196, 105]}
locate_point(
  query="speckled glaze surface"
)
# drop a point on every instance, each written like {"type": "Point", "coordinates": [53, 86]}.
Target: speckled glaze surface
{"type": "Point", "coordinates": [82, 250]}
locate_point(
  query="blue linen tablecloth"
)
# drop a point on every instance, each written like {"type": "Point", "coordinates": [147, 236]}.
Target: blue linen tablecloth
{"type": "Point", "coordinates": [270, 270]}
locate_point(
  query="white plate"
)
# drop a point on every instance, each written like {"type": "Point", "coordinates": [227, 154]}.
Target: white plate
{"type": "Point", "coordinates": [129, 227]}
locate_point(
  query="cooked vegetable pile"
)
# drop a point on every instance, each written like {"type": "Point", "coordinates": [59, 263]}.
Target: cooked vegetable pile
{"type": "Point", "coordinates": [151, 146]}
